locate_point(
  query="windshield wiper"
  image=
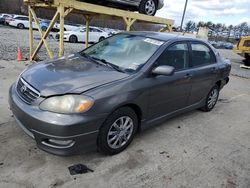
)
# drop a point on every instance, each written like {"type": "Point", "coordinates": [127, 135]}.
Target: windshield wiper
{"type": "Point", "coordinates": [116, 67]}
{"type": "Point", "coordinates": [102, 61]}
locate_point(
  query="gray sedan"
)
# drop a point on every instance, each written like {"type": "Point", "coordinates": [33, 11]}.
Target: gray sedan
{"type": "Point", "coordinates": [102, 96]}
{"type": "Point", "coordinates": [148, 7]}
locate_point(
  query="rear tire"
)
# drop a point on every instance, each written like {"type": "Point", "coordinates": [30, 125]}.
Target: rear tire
{"type": "Point", "coordinates": [148, 7]}
{"type": "Point", "coordinates": [118, 131]}
{"type": "Point", "coordinates": [20, 26]}
{"type": "Point", "coordinates": [211, 99]}
{"type": "Point", "coordinates": [73, 39]}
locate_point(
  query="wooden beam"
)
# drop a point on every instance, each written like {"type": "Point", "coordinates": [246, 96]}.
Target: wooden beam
{"type": "Point", "coordinates": [88, 20]}
{"type": "Point", "coordinates": [31, 42]}
{"type": "Point", "coordinates": [45, 35]}
{"type": "Point", "coordinates": [61, 39]}
{"type": "Point", "coordinates": [50, 52]}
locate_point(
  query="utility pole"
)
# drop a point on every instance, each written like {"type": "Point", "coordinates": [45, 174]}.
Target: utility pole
{"type": "Point", "coordinates": [184, 12]}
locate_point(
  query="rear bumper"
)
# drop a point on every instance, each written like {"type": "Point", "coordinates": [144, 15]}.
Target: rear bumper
{"type": "Point", "coordinates": [58, 134]}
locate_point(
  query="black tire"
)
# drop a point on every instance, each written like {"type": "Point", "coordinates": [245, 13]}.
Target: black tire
{"type": "Point", "coordinates": [44, 28]}
{"type": "Point", "coordinates": [143, 7]}
{"type": "Point", "coordinates": [73, 39]}
{"type": "Point", "coordinates": [247, 60]}
{"type": "Point", "coordinates": [20, 26]}
{"type": "Point", "coordinates": [209, 106]}
{"type": "Point", "coordinates": [102, 141]}
{"type": "Point", "coordinates": [101, 38]}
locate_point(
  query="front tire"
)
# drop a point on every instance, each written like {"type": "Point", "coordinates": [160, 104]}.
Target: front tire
{"type": "Point", "coordinates": [73, 39]}
{"type": "Point", "coordinates": [211, 99]}
{"type": "Point", "coordinates": [148, 7]}
{"type": "Point", "coordinates": [118, 131]}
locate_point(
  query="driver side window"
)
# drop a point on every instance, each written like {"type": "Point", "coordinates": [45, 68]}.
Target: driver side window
{"type": "Point", "coordinates": [176, 56]}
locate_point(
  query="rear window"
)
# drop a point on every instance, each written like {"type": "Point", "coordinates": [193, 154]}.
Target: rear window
{"type": "Point", "coordinates": [247, 43]}
{"type": "Point", "coordinates": [202, 55]}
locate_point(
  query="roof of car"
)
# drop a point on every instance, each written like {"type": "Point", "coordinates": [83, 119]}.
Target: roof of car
{"type": "Point", "coordinates": [160, 35]}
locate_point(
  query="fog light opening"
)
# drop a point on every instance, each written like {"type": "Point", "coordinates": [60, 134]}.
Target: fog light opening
{"type": "Point", "coordinates": [61, 142]}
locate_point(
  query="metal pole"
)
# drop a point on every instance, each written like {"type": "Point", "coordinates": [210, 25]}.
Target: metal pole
{"type": "Point", "coordinates": [184, 12]}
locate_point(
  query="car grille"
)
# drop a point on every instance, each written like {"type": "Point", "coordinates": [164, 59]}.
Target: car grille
{"type": "Point", "coordinates": [26, 92]}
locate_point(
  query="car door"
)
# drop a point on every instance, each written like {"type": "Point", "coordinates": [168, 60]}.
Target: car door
{"type": "Point", "coordinates": [170, 93]}
{"type": "Point", "coordinates": [204, 71]}
{"type": "Point", "coordinates": [81, 35]}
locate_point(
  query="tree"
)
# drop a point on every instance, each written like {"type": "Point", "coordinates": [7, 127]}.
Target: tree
{"type": "Point", "coordinates": [230, 28]}
{"type": "Point", "coordinates": [209, 24]}
{"type": "Point", "coordinates": [242, 28]}
{"type": "Point", "coordinates": [200, 24]}
{"type": "Point", "coordinates": [190, 26]}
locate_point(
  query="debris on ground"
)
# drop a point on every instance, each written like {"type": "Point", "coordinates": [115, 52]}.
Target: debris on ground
{"type": "Point", "coordinates": [1, 164]}
{"type": "Point", "coordinates": [224, 100]}
{"type": "Point", "coordinates": [163, 152]}
{"type": "Point", "coordinates": [79, 169]}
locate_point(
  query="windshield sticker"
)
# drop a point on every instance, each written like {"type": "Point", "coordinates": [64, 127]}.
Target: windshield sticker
{"type": "Point", "coordinates": [152, 41]}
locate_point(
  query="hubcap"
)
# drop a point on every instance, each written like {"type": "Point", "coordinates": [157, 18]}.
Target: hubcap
{"type": "Point", "coordinates": [212, 98]}
{"type": "Point", "coordinates": [150, 7]}
{"type": "Point", "coordinates": [120, 132]}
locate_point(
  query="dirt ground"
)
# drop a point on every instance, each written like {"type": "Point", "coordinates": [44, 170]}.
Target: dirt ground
{"type": "Point", "coordinates": [196, 149]}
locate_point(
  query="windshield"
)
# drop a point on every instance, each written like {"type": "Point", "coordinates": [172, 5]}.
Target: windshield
{"type": "Point", "coordinates": [128, 52]}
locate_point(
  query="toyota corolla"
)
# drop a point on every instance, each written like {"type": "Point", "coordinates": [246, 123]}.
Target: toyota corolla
{"type": "Point", "coordinates": [102, 96]}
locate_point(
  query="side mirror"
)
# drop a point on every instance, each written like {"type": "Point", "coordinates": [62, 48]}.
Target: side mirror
{"type": "Point", "coordinates": [163, 70]}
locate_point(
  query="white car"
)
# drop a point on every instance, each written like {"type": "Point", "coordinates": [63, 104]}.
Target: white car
{"type": "Point", "coordinates": [78, 35]}
{"type": "Point", "coordinates": [21, 22]}
{"type": "Point", "coordinates": [68, 26]}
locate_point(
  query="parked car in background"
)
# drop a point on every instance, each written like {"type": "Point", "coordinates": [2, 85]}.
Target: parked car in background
{"type": "Point", "coordinates": [4, 18]}
{"type": "Point", "coordinates": [148, 7]}
{"type": "Point", "coordinates": [45, 24]}
{"type": "Point", "coordinates": [68, 26]}
{"type": "Point", "coordinates": [221, 45]}
{"type": "Point", "coordinates": [101, 97]}
{"type": "Point", "coordinates": [243, 49]}
{"type": "Point", "coordinates": [78, 35]}
{"type": "Point", "coordinates": [22, 22]}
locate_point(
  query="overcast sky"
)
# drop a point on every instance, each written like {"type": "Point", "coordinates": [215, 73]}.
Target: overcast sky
{"type": "Point", "coordinates": [218, 11]}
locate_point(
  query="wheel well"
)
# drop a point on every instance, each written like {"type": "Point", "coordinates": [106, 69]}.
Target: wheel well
{"type": "Point", "coordinates": [73, 36]}
{"type": "Point", "coordinates": [137, 110]}
{"type": "Point", "coordinates": [218, 83]}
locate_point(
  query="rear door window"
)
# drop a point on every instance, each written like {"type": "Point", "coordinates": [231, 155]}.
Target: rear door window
{"type": "Point", "coordinates": [176, 56]}
{"type": "Point", "coordinates": [201, 55]}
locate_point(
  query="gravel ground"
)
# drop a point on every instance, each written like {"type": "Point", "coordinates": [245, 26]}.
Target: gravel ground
{"type": "Point", "coordinates": [14, 38]}
{"type": "Point", "coordinates": [196, 149]}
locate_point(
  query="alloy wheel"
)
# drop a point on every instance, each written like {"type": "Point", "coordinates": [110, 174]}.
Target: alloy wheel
{"type": "Point", "coordinates": [150, 7]}
{"type": "Point", "coordinates": [212, 99]}
{"type": "Point", "coordinates": [120, 132]}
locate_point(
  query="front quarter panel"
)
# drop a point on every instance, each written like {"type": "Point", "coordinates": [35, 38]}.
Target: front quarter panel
{"type": "Point", "coordinates": [112, 96]}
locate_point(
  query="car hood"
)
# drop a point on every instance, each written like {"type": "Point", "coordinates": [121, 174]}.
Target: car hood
{"type": "Point", "coordinates": [72, 74]}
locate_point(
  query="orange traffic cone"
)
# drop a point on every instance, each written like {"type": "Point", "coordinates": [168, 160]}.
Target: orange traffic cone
{"type": "Point", "coordinates": [20, 55]}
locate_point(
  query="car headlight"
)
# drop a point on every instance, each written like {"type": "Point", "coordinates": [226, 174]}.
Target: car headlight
{"type": "Point", "coordinates": [67, 104]}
